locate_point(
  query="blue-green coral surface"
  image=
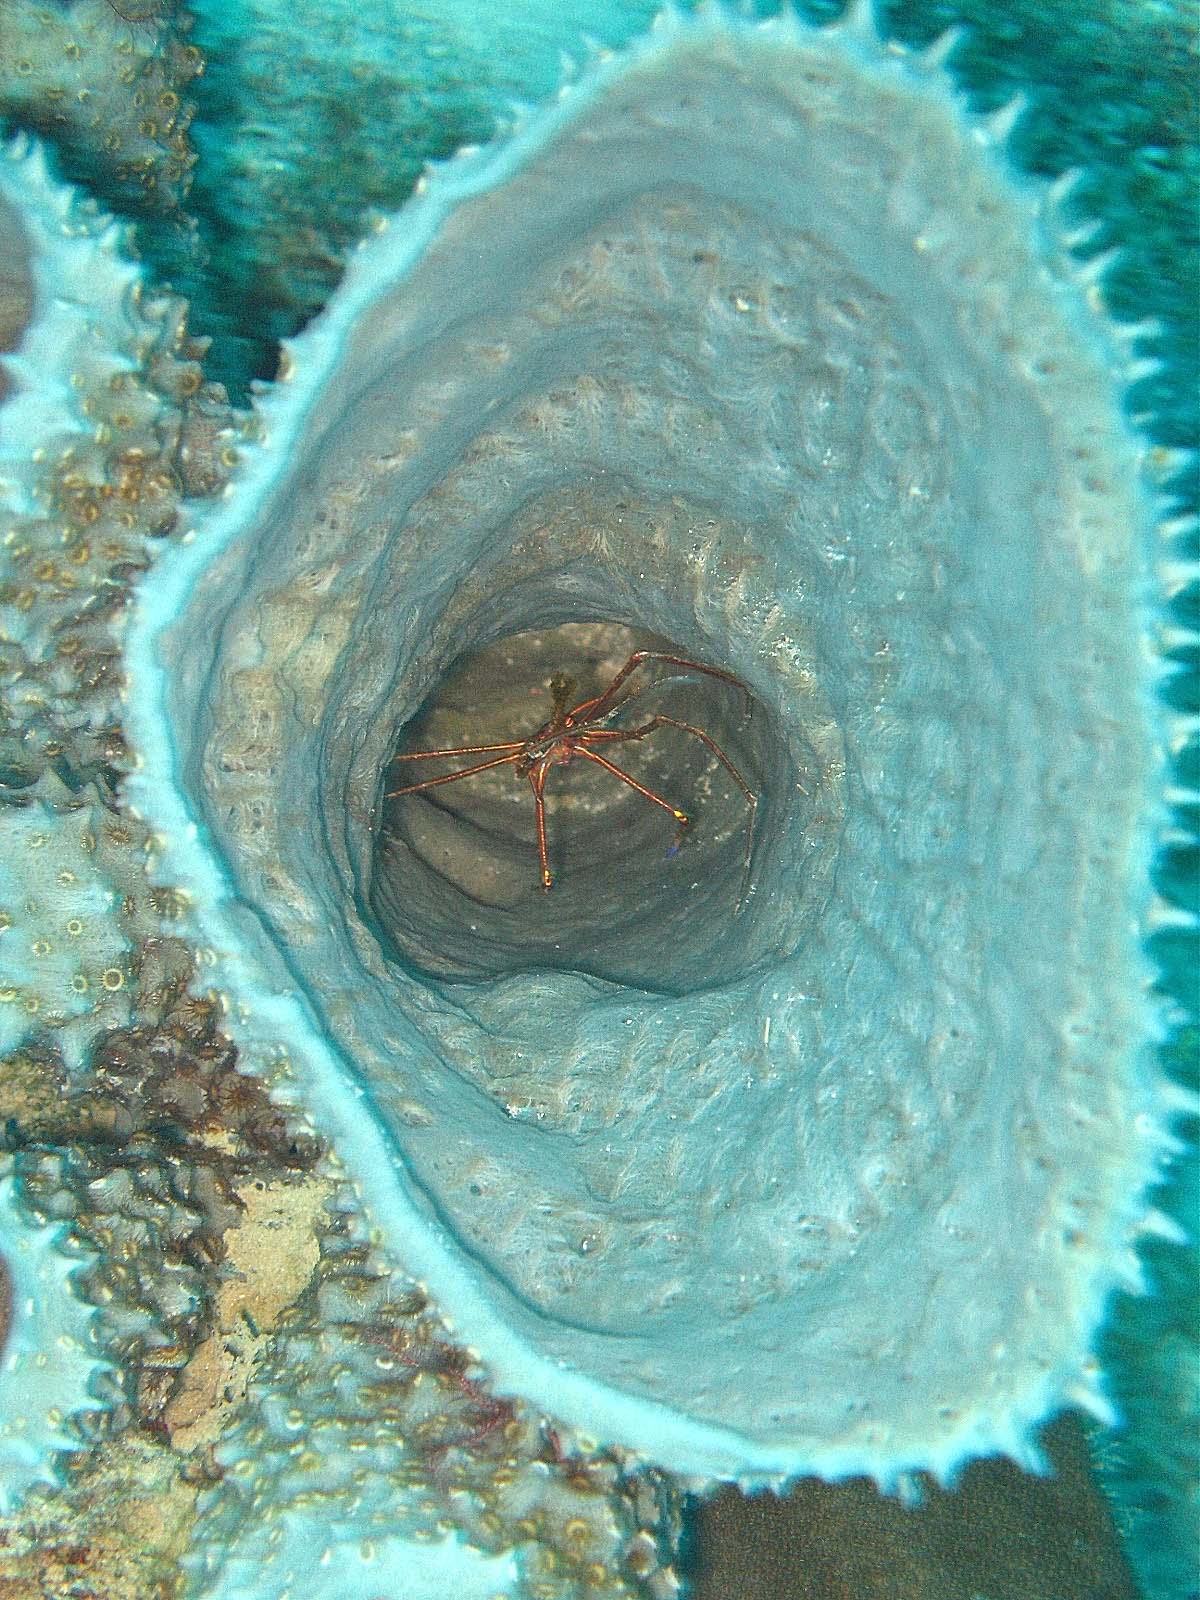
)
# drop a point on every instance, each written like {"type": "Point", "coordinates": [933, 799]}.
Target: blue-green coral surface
{"type": "Point", "coordinates": [441, 91]}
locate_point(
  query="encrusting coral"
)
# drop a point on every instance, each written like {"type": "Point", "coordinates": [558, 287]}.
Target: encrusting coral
{"type": "Point", "coordinates": [50, 1358]}
{"type": "Point", "coordinates": [109, 85]}
{"type": "Point", "coordinates": [108, 384]}
{"type": "Point", "coordinates": [361, 1371]}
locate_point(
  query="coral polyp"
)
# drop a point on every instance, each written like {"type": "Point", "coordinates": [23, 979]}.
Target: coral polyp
{"type": "Point", "coordinates": [51, 1356]}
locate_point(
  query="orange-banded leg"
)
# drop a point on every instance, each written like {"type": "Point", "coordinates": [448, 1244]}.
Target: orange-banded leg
{"type": "Point", "coordinates": [464, 772]}
{"type": "Point", "coordinates": [681, 817]}
{"type": "Point", "coordinates": [662, 720]}
{"type": "Point", "coordinates": [600, 705]}
{"type": "Point", "coordinates": [537, 781]}
{"type": "Point", "coordinates": [459, 750]}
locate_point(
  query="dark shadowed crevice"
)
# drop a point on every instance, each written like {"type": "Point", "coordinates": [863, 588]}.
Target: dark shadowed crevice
{"type": "Point", "coordinates": [457, 882]}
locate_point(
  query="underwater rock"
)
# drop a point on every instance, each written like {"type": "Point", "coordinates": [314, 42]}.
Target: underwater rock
{"type": "Point", "coordinates": [753, 345]}
{"type": "Point", "coordinates": [362, 1372]}
{"type": "Point", "coordinates": [16, 285]}
{"type": "Point", "coordinates": [282, 194]}
{"type": "Point", "coordinates": [1047, 1535]}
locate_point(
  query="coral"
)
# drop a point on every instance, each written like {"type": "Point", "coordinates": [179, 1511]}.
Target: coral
{"type": "Point", "coordinates": [365, 1411]}
{"type": "Point", "coordinates": [110, 388]}
{"type": "Point", "coordinates": [142, 1178]}
{"type": "Point", "coordinates": [105, 420]}
{"type": "Point", "coordinates": [834, 432]}
{"type": "Point", "coordinates": [107, 84]}
{"type": "Point", "coordinates": [51, 1357]}
{"type": "Point", "coordinates": [65, 956]}
{"type": "Point", "coordinates": [115, 1536]}
{"type": "Point", "coordinates": [107, 380]}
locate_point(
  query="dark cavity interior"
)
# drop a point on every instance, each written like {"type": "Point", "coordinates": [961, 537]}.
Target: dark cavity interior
{"type": "Point", "coordinates": [456, 889]}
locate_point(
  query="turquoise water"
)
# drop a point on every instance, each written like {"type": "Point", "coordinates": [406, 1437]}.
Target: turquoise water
{"type": "Point", "coordinates": [321, 157]}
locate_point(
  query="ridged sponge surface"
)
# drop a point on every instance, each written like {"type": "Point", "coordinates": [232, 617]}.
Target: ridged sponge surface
{"type": "Point", "coordinates": [749, 344]}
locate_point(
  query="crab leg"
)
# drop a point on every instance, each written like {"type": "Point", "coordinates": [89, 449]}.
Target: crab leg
{"type": "Point", "coordinates": [599, 704]}
{"type": "Point", "coordinates": [662, 719]}
{"type": "Point", "coordinates": [681, 817]}
{"type": "Point", "coordinates": [537, 779]}
{"type": "Point", "coordinates": [459, 750]}
{"type": "Point", "coordinates": [453, 777]}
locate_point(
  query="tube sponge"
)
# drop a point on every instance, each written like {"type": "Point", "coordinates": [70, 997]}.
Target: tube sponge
{"type": "Point", "coordinates": [753, 345]}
